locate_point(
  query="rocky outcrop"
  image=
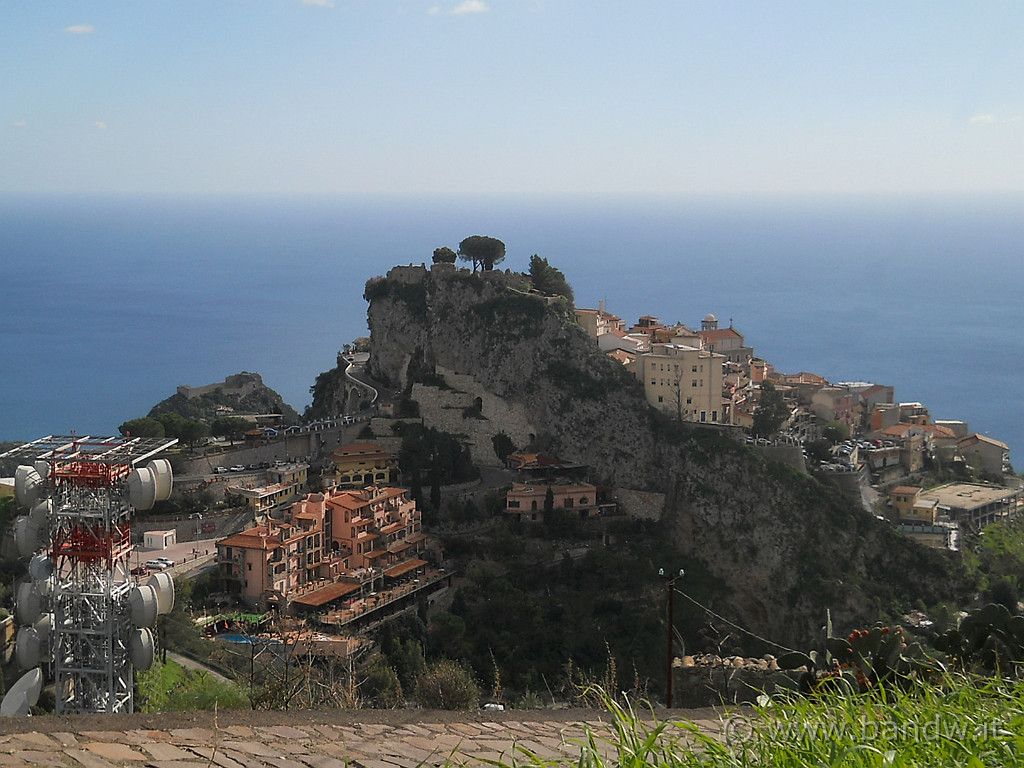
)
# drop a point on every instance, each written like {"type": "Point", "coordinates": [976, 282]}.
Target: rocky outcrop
{"type": "Point", "coordinates": [241, 393]}
{"type": "Point", "coordinates": [781, 546]}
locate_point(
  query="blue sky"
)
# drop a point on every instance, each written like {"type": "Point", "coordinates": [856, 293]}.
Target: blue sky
{"type": "Point", "coordinates": [510, 97]}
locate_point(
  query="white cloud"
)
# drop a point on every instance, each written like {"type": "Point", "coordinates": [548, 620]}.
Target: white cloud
{"type": "Point", "coordinates": [100, 124]}
{"type": "Point", "coordinates": [20, 124]}
{"type": "Point", "coordinates": [469, 6]}
{"type": "Point", "coordinates": [434, 10]}
{"type": "Point", "coordinates": [992, 119]}
{"type": "Point", "coordinates": [80, 29]}
{"type": "Point", "coordinates": [321, 3]}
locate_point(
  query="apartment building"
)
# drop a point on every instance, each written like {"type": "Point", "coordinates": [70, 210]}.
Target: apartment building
{"type": "Point", "coordinates": [322, 539]}
{"type": "Point", "coordinates": [684, 381]}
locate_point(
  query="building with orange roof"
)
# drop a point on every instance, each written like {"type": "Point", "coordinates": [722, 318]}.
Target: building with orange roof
{"type": "Point", "coordinates": [982, 451]}
{"type": "Point", "coordinates": [597, 322]}
{"type": "Point", "coordinates": [339, 535]}
{"type": "Point", "coordinates": [727, 342]}
{"type": "Point", "coordinates": [525, 501]}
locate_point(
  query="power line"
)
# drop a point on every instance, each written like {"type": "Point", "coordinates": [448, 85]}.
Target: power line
{"type": "Point", "coordinates": [732, 623]}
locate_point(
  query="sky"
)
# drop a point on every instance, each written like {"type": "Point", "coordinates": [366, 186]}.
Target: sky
{"type": "Point", "coordinates": [510, 97]}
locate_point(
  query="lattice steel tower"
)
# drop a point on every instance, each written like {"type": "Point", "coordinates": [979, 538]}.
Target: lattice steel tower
{"type": "Point", "coordinates": [82, 492]}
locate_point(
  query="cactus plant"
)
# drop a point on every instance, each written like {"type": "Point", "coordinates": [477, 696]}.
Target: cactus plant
{"type": "Point", "coordinates": [989, 638]}
{"type": "Point", "coordinates": [857, 663]}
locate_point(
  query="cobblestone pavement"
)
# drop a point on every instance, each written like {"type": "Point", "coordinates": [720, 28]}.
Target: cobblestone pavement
{"type": "Point", "coordinates": [309, 740]}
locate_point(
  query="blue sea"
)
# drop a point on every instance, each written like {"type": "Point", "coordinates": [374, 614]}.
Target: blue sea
{"type": "Point", "coordinates": [110, 303]}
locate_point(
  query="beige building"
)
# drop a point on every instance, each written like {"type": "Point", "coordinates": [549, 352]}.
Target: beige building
{"type": "Point", "coordinates": [684, 381]}
{"type": "Point", "coordinates": [357, 465]}
{"type": "Point", "coordinates": [991, 456]}
{"type": "Point", "coordinates": [597, 322]}
{"type": "Point", "coordinates": [525, 501]}
{"type": "Point", "coordinates": [283, 485]}
{"type": "Point", "coordinates": [975, 505]}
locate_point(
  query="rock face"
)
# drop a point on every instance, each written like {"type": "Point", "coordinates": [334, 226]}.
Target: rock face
{"type": "Point", "coordinates": [781, 546]}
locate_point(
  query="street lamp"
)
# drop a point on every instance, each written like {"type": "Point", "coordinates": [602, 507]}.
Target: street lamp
{"type": "Point", "coordinates": [199, 519]}
{"type": "Point", "coordinates": [670, 584]}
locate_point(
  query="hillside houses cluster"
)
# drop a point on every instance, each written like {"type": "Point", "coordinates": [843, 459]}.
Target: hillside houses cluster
{"type": "Point", "coordinates": [341, 554]}
{"type": "Point", "coordinates": [712, 376]}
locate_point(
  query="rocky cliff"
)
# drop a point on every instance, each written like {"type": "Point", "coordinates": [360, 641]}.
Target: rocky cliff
{"type": "Point", "coordinates": [782, 546]}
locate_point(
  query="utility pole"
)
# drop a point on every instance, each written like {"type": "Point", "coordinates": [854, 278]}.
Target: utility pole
{"type": "Point", "coordinates": [670, 584]}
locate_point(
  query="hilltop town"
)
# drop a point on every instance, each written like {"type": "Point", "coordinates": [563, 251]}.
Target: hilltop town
{"type": "Point", "coordinates": [497, 476]}
{"type": "Point", "coordinates": [873, 445]}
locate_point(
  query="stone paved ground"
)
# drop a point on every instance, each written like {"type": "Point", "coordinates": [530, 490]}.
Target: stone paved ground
{"type": "Point", "coordinates": [321, 739]}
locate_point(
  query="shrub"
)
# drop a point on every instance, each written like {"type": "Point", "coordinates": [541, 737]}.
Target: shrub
{"type": "Point", "coordinates": [446, 685]}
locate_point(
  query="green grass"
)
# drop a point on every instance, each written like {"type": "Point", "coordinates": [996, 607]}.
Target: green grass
{"type": "Point", "coordinates": [172, 688]}
{"type": "Point", "coordinates": [959, 722]}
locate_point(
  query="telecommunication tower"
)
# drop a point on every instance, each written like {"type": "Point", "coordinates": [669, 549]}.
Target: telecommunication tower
{"type": "Point", "coordinates": [82, 616]}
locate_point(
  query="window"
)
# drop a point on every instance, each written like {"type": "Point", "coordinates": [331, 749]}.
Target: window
{"type": "Point", "coordinates": [568, 503]}
{"type": "Point", "coordinates": [689, 401]}
{"type": "Point", "coordinates": [661, 399]}
{"type": "Point", "coordinates": [248, 566]}
{"type": "Point", "coordinates": [693, 383]}
{"type": "Point", "coordinates": [694, 369]}
{"type": "Point", "coordinates": [513, 505]}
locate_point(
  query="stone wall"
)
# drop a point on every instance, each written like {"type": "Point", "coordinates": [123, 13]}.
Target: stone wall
{"type": "Point", "coordinates": [445, 409]}
{"type": "Point", "coordinates": [707, 681]}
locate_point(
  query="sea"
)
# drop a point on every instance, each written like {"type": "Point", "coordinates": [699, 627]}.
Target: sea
{"type": "Point", "coordinates": [109, 303]}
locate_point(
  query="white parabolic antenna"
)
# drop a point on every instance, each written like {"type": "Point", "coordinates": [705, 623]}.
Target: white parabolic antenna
{"type": "Point", "coordinates": [161, 469]}
{"type": "Point", "coordinates": [26, 535]}
{"type": "Point", "coordinates": [29, 603]}
{"type": "Point", "coordinates": [142, 488]}
{"type": "Point", "coordinates": [40, 567]}
{"type": "Point", "coordinates": [28, 647]}
{"type": "Point", "coordinates": [141, 649]}
{"type": "Point", "coordinates": [23, 695]}
{"type": "Point", "coordinates": [143, 605]}
{"type": "Point", "coordinates": [163, 584]}
{"type": "Point", "coordinates": [41, 512]}
{"type": "Point", "coordinates": [28, 485]}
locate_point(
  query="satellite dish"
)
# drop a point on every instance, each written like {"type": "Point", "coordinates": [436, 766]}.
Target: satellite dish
{"type": "Point", "coordinates": [43, 626]}
{"type": "Point", "coordinates": [42, 467]}
{"type": "Point", "coordinates": [40, 567]}
{"type": "Point", "coordinates": [28, 485]}
{"type": "Point", "coordinates": [141, 648]}
{"type": "Point", "coordinates": [23, 695]}
{"type": "Point", "coordinates": [28, 647]}
{"type": "Point", "coordinates": [29, 603]}
{"type": "Point", "coordinates": [161, 469]}
{"type": "Point", "coordinates": [163, 585]}
{"type": "Point", "coordinates": [142, 488]}
{"type": "Point", "coordinates": [142, 603]}
{"type": "Point", "coordinates": [26, 535]}
{"type": "Point", "coordinates": [41, 512]}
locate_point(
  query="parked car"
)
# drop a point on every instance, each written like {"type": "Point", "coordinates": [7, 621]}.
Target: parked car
{"type": "Point", "coordinates": [238, 468]}
{"type": "Point", "coordinates": [140, 570]}
{"type": "Point", "coordinates": [220, 470]}
{"type": "Point", "coordinates": [166, 560]}
{"type": "Point", "coordinates": [157, 565]}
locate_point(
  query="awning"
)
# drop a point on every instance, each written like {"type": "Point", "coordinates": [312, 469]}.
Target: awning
{"type": "Point", "coordinates": [401, 568]}
{"type": "Point", "coordinates": [327, 594]}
